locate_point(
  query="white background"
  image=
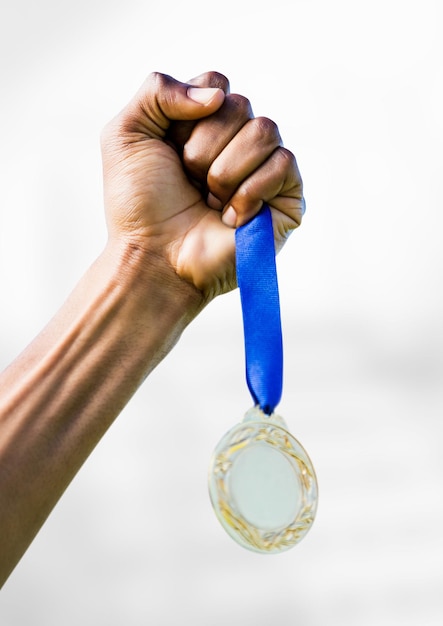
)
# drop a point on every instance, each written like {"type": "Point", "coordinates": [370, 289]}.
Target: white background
{"type": "Point", "coordinates": [356, 88]}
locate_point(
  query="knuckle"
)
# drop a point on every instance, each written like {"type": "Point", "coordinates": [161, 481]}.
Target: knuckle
{"type": "Point", "coordinates": [244, 192]}
{"type": "Point", "coordinates": [215, 79]}
{"type": "Point", "coordinates": [286, 158]}
{"type": "Point", "coordinates": [194, 161]}
{"type": "Point", "coordinates": [157, 88]}
{"type": "Point", "coordinates": [266, 128]}
{"type": "Point", "coordinates": [156, 80]}
{"type": "Point", "coordinates": [294, 173]}
{"type": "Point", "coordinates": [239, 104]}
{"type": "Point", "coordinates": [218, 177]}
{"type": "Point", "coordinates": [287, 164]}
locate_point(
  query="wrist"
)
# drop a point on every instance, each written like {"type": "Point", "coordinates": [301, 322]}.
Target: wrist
{"type": "Point", "coordinates": [151, 290]}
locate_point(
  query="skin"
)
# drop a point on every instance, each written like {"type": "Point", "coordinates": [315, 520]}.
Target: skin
{"type": "Point", "coordinates": [183, 165]}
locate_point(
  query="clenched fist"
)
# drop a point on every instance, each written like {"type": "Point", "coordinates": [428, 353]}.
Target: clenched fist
{"type": "Point", "coordinates": [185, 163]}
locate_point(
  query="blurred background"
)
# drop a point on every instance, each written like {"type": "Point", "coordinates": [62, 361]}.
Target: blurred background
{"type": "Point", "coordinates": [357, 90]}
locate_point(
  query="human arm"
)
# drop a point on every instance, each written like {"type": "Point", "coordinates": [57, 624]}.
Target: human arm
{"type": "Point", "coordinates": [168, 254]}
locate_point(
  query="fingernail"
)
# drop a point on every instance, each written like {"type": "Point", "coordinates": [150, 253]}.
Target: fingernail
{"type": "Point", "coordinates": [229, 217]}
{"type": "Point", "coordinates": [202, 95]}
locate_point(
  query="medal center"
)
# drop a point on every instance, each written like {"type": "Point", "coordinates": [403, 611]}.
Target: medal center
{"type": "Point", "coordinates": [264, 487]}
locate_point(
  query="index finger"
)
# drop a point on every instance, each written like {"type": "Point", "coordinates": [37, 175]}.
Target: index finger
{"type": "Point", "coordinates": [179, 132]}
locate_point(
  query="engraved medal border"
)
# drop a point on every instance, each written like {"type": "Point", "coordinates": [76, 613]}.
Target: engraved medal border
{"type": "Point", "coordinates": [259, 428]}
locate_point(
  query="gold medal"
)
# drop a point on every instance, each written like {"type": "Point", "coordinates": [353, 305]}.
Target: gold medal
{"type": "Point", "coordinates": [262, 484]}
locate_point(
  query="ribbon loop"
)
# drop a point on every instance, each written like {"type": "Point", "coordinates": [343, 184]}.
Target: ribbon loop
{"type": "Point", "coordinates": [257, 280]}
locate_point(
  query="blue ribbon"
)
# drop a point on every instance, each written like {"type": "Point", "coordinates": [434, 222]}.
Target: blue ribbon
{"type": "Point", "coordinates": [257, 280]}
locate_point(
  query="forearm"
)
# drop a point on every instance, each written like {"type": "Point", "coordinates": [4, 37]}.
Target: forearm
{"type": "Point", "coordinates": [60, 396]}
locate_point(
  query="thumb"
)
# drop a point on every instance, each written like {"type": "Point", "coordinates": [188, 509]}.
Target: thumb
{"type": "Point", "coordinates": [162, 99]}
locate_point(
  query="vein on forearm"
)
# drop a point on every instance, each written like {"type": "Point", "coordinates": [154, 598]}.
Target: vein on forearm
{"type": "Point", "coordinates": [61, 395]}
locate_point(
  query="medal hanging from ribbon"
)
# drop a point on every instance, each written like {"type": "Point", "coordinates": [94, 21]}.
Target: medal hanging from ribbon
{"type": "Point", "coordinates": [261, 481]}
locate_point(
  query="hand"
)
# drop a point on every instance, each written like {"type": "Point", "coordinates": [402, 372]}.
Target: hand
{"type": "Point", "coordinates": [186, 163]}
